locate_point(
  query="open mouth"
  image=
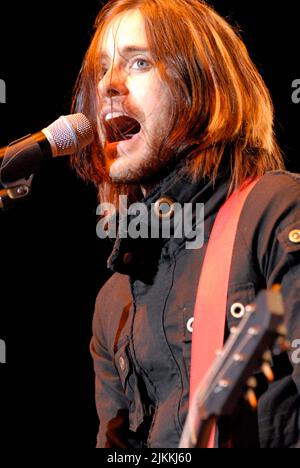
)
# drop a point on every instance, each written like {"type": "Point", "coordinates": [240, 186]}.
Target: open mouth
{"type": "Point", "coordinates": [121, 128]}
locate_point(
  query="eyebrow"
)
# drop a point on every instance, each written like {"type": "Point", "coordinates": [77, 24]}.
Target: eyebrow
{"type": "Point", "coordinates": [127, 50]}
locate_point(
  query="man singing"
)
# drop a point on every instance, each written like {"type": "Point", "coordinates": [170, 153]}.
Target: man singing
{"type": "Point", "coordinates": [181, 116]}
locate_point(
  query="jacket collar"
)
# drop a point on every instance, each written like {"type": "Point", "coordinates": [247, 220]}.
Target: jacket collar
{"type": "Point", "coordinates": [139, 258]}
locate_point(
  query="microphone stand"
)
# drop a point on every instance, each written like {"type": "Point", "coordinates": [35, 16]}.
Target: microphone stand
{"type": "Point", "coordinates": [15, 192]}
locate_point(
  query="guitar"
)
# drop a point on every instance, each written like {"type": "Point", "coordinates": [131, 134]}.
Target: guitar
{"type": "Point", "coordinates": [246, 350]}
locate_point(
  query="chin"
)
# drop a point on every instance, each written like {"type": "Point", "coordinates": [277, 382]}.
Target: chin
{"type": "Point", "coordinates": [134, 169]}
{"type": "Point", "coordinates": [122, 175]}
{"type": "Point", "coordinates": [125, 179]}
{"type": "Point", "coordinates": [124, 170]}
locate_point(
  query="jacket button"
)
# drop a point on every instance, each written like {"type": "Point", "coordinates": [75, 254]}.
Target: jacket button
{"type": "Point", "coordinates": [294, 236]}
{"type": "Point", "coordinates": [237, 310]}
{"type": "Point", "coordinates": [122, 363]}
{"type": "Point", "coordinates": [190, 325]}
{"type": "Point", "coordinates": [164, 208]}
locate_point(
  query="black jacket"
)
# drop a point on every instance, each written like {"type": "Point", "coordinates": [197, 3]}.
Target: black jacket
{"type": "Point", "coordinates": [141, 335]}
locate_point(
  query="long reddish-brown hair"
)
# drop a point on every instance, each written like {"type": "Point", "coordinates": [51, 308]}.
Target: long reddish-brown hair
{"type": "Point", "coordinates": [221, 104]}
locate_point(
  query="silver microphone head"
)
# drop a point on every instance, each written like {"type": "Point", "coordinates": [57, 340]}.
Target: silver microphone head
{"type": "Point", "coordinates": [69, 134]}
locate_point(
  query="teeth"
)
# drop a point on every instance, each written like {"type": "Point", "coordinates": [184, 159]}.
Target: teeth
{"type": "Point", "coordinates": [113, 115]}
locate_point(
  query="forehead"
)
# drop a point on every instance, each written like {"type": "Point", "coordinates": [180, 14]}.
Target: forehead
{"type": "Point", "coordinates": [125, 31]}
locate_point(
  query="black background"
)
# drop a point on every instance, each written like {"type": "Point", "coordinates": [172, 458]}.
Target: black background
{"type": "Point", "coordinates": [52, 264]}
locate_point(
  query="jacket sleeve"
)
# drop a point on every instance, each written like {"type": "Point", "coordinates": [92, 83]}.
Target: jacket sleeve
{"type": "Point", "coordinates": [279, 258]}
{"type": "Point", "coordinates": [111, 402]}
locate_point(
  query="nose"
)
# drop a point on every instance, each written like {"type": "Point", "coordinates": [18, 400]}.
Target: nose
{"type": "Point", "coordinates": [113, 84]}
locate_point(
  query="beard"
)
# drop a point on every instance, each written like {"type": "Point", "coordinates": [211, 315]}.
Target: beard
{"type": "Point", "coordinates": [149, 166]}
{"type": "Point", "coordinates": [145, 160]}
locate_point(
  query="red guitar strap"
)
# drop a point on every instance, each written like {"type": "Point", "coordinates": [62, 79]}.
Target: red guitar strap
{"type": "Point", "coordinates": [211, 300]}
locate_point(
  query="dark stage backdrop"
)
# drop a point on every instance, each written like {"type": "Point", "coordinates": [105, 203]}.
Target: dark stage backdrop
{"type": "Point", "coordinates": [52, 264]}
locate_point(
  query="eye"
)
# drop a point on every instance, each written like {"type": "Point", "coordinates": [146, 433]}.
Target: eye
{"type": "Point", "coordinates": [140, 64]}
{"type": "Point", "coordinates": [103, 69]}
{"type": "Point", "coordinates": [102, 73]}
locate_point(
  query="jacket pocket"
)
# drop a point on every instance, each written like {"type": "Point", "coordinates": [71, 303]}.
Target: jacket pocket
{"type": "Point", "coordinates": [130, 384]}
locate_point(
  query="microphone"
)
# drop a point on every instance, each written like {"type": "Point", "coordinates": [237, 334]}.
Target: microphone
{"type": "Point", "coordinates": [23, 157]}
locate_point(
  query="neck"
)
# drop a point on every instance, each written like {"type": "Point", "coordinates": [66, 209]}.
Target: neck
{"type": "Point", "coordinates": [149, 186]}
